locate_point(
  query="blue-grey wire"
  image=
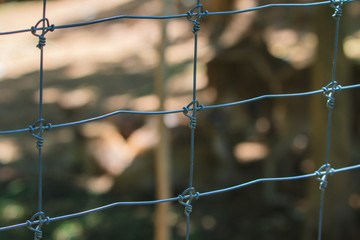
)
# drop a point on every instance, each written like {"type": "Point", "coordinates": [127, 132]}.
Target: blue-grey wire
{"type": "Point", "coordinates": [178, 16]}
{"type": "Point", "coordinates": [205, 194]}
{"type": "Point", "coordinates": [182, 110]}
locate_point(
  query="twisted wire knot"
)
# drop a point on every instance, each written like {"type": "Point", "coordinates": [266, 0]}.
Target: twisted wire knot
{"type": "Point", "coordinates": [188, 194]}
{"type": "Point", "coordinates": [41, 220]}
{"type": "Point", "coordinates": [46, 28]}
{"type": "Point", "coordinates": [329, 92]}
{"type": "Point", "coordinates": [196, 107]}
{"type": "Point", "coordinates": [196, 27]}
{"type": "Point", "coordinates": [337, 4]}
{"type": "Point", "coordinates": [37, 129]}
{"type": "Point", "coordinates": [199, 15]}
{"type": "Point", "coordinates": [322, 175]}
{"type": "Point", "coordinates": [42, 42]}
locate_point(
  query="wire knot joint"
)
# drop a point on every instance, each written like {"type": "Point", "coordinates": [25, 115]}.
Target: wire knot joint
{"type": "Point", "coordinates": [195, 107]}
{"type": "Point", "coordinates": [39, 219]}
{"type": "Point", "coordinates": [329, 92]}
{"type": "Point", "coordinates": [197, 16]}
{"type": "Point", "coordinates": [45, 28]}
{"type": "Point", "coordinates": [37, 129]}
{"type": "Point", "coordinates": [336, 5]}
{"type": "Point", "coordinates": [322, 175]}
{"type": "Point", "coordinates": [186, 199]}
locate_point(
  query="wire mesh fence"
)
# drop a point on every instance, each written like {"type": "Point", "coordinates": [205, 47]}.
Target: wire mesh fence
{"type": "Point", "coordinates": [194, 16]}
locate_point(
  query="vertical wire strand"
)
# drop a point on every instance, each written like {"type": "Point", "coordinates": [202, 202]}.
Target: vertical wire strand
{"type": "Point", "coordinates": [192, 150]}
{"type": "Point", "coordinates": [194, 113]}
{"type": "Point", "coordinates": [195, 58]}
{"type": "Point", "coordinates": [40, 162]}
{"type": "Point", "coordinates": [328, 136]}
{"type": "Point", "coordinates": [188, 227]}
{"type": "Point", "coordinates": [194, 108]}
{"type": "Point", "coordinates": [333, 81]}
{"type": "Point", "coordinates": [336, 48]}
{"type": "Point", "coordinates": [192, 153]}
{"type": "Point", "coordinates": [321, 212]}
{"type": "Point", "coordinates": [42, 64]}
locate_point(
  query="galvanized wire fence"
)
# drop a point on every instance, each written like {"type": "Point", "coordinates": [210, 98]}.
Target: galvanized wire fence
{"type": "Point", "coordinates": [190, 110]}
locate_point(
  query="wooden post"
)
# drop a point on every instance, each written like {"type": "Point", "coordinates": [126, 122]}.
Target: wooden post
{"type": "Point", "coordinates": [162, 159]}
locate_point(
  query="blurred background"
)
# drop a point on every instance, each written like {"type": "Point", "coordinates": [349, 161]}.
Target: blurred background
{"type": "Point", "coordinates": [147, 65]}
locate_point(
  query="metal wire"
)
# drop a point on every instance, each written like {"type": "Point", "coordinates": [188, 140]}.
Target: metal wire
{"type": "Point", "coordinates": [331, 101]}
{"type": "Point", "coordinates": [185, 199]}
{"type": "Point", "coordinates": [204, 107]}
{"type": "Point", "coordinates": [312, 4]}
{"type": "Point", "coordinates": [174, 199]}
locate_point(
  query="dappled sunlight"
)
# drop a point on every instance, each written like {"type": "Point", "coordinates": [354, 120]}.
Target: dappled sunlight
{"type": "Point", "coordinates": [177, 102]}
{"type": "Point", "coordinates": [113, 43]}
{"type": "Point", "coordinates": [145, 103]}
{"type": "Point", "coordinates": [77, 98]}
{"type": "Point", "coordinates": [12, 211]}
{"type": "Point", "coordinates": [180, 38]}
{"type": "Point", "coordinates": [175, 53]}
{"type": "Point", "coordinates": [80, 69]}
{"type": "Point", "coordinates": [295, 47]}
{"type": "Point", "coordinates": [85, 10]}
{"type": "Point", "coordinates": [69, 230]}
{"type": "Point", "coordinates": [182, 82]}
{"type": "Point", "coordinates": [352, 46]}
{"type": "Point", "coordinates": [50, 95]}
{"type": "Point", "coordinates": [99, 185]}
{"type": "Point", "coordinates": [9, 151]}
{"type": "Point", "coordinates": [172, 120]}
{"type": "Point", "coordinates": [108, 147]}
{"type": "Point", "coordinates": [118, 102]}
{"type": "Point", "coordinates": [144, 138]}
{"type": "Point", "coordinates": [178, 31]}
{"type": "Point", "coordinates": [19, 56]}
{"type": "Point", "coordinates": [250, 151]}
{"type": "Point", "coordinates": [239, 25]}
{"type": "Point", "coordinates": [112, 151]}
{"type": "Point", "coordinates": [121, 46]}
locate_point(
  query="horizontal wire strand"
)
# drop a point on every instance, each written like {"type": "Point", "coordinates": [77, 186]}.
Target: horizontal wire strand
{"type": "Point", "coordinates": [182, 110]}
{"type": "Point", "coordinates": [205, 194]}
{"type": "Point", "coordinates": [312, 4]}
